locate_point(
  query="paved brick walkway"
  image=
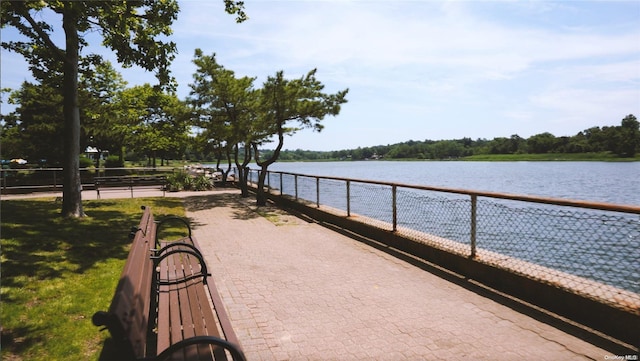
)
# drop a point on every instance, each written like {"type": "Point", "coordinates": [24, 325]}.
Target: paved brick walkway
{"type": "Point", "coordinates": [298, 291]}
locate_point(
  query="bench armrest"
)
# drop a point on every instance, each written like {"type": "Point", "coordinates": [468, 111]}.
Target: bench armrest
{"type": "Point", "coordinates": [169, 219]}
{"type": "Point", "coordinates": [192, 251]}
{"type": "Point", "coordinates": [236, 353]}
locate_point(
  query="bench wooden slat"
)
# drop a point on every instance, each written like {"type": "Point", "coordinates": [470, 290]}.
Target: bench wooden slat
{"type": "Point", "coordinates": [163, 304]}
{"type": "Point", "coordinates": [175, 332]}
{"type": "Point", "coordinates": [197, 306]}
{"type": "Point", "coordinates": [201, 310]}
{"type": "Point", "coordinates": [164, 341]}
{"type": "Point", "coordinates": [195, 309]}
{"type": "Point", "coordinates": [208, 325]}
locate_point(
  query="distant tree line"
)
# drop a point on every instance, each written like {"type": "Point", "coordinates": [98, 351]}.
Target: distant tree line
{"type": "Point", "coordinates": [622, 140]}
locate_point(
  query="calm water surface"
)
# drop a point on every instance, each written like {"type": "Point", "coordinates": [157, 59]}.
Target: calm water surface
{"type": "Point", "coordinates": [611, 182]}
{"type": "Point", "coordinates": [593, 244]}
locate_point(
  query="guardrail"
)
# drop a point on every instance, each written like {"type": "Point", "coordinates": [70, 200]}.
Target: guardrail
{"type": "Point", "coordinates": [591, 249]}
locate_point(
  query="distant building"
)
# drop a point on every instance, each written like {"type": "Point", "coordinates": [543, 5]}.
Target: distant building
{"type": "Point", "coordinates": [93, 154]}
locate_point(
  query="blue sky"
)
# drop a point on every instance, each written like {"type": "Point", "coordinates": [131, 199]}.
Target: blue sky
{"type": "Point", "coordinates": [421, 70]}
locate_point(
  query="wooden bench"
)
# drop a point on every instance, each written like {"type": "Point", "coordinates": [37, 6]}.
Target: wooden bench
{"type": "Point", "coordinates": [166, 305]}
{"type": "Point", "coordinates": [130, 182]}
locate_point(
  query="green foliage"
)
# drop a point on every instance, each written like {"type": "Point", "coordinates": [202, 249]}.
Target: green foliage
{"type": "Point", "coordinates": [85, 162]}
{"type": "Point", "coordinates": [226, 109]}
{"type": "Point", "coordinates": [113, 161]}
{"type": "Point", "coordinates": [152, 122]}
{"type": "Point", "coordinates": [628, 137]}
{"type": "Point", "coordinates": [133, 30]}
{"type": "Point", "coordinates": [233, 116]}
{"type": "Point", "coordinates": [237, 8]}
{"type": "Point", "coordinates": [183, 181]}
{"type": "Point", "coordinates": [594, 143]}
{"type": "Point", "coordinates": [604, 156]}
{"type": "Point", "coordinates": [99, 89]}
{"type": "Point", "coordinates": [34, 130]}
{"type": "Point", "coordinates": [179, 181]}
{"type": "Point", "coordinates": [57, 272]}
{"type": "Point", "coordinates": [202, 183]}
{"type": "Point", "coordinates": [287, 106]}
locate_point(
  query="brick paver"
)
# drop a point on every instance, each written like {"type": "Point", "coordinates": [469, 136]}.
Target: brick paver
{"type": "Point", "coordinates": [296, 290]}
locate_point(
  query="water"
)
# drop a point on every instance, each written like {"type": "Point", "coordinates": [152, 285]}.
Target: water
{"type": "Point", "coordinates": [610, 182]}
{"type": "Point", "coordinates": [586, 243]}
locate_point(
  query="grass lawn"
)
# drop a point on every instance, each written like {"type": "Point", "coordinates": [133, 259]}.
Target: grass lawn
{"type": "Point", "coordinates": [57, 272]}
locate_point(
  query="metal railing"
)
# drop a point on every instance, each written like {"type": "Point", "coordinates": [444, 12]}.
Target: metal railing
{"type": "Point", "coordinates": [589, 248]}
{"type": "Point", "coordinates": [33, 179]}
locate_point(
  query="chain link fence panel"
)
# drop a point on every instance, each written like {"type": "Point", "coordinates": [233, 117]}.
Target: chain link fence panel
{"type": "Point", "coordinates": [591, 252]}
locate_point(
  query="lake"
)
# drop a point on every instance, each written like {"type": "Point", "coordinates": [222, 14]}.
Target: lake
{"type": "Point", "coordinates": [610, 182]}
{"type": "Point", "coordinates": [598, 245]}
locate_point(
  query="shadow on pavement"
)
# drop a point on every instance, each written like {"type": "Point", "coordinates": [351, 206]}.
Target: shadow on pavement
{"type": "Point", "coordinates": [241, 207]}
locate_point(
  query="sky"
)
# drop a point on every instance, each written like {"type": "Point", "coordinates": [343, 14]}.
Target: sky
{"type": "Point", "coordinates": [420, 70]}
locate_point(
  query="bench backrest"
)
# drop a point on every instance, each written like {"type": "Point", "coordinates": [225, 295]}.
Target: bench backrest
{"type": "Point", "coordinates": [128, 316]}
{"type": "Point", "coordinates": [130, 180]}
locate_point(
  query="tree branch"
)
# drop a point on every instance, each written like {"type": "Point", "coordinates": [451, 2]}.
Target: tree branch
{"type": "Point", "coordinates": [59, 53]}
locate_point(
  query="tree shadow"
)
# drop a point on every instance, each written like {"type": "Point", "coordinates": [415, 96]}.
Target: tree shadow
{"type": "Point", "coordinates": [111, 351]}
{"type": "Point", "coordinates": [242, 208]}
{"type": "Point", "coordinates": [16, 340]}
{"type": "Point", "coordinates": [40, 249]}
{"type": "Point", "coordinates": [34, 234]}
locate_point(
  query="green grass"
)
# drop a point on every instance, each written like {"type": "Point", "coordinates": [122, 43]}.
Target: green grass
{"type": "Point", "coordinates": [57, 272]}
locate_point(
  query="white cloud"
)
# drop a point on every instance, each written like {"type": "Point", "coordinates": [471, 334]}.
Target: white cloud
{"type": "Point", "coordinates": [478, 69]}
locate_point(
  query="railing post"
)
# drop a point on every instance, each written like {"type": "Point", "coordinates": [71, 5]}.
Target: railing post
{"type": "Point", "coordinates": [281, 186]}
{"type": "Point", "coordinates": [318, 192]}
{"type": "Point", "coordinates": [295, 178]}
{"type": "Point", "coordinates": [394, 189]}
{"type": "Point", "coordinates": [474, 204]}
{"type": "Point", "coordinates": [348, 198]}
{"type": "Point", "coordinates": [268, 176]}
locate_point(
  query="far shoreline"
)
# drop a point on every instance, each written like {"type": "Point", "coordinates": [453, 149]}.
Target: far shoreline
{"type": "Point", "coordinates": [549, 157]}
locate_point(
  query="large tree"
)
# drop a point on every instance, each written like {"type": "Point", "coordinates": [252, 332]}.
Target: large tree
{"type": "Point", "coordinates": [629, 142]}
{"type": "Point", "coordinates": [226, 107]}
{"type": "Point", "coordinates": [134, 30]}
{"type": "Point", "coordinates": [289, 105]}
{"type": "Point", "coordinates": [100, 88]}
{"type": "Point", "coordinates": [34, 130]}
{"type": "Point", "coordinates": [152, 121]}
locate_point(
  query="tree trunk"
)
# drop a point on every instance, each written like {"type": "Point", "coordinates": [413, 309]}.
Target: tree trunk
{"type": "Point", "coordinates": [72, 186]}
{"type": "Point", "coordinates": [261, 196]}
{"type": "Point", "coordinates": [243, 171]}
{"type": "Point", "coordinates": [225, 174]}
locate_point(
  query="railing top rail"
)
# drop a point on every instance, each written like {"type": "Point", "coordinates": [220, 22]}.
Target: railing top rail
{"type": "Point", "coordinates": [516, 197]}
{"type": "Point", "coordinates": [89, 169]}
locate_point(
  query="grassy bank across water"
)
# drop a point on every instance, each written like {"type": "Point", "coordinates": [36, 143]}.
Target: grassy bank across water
{"type": "Point", "coordinates": [551, 157]}
{"type": "Point", "coordinates": [57, 272]}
